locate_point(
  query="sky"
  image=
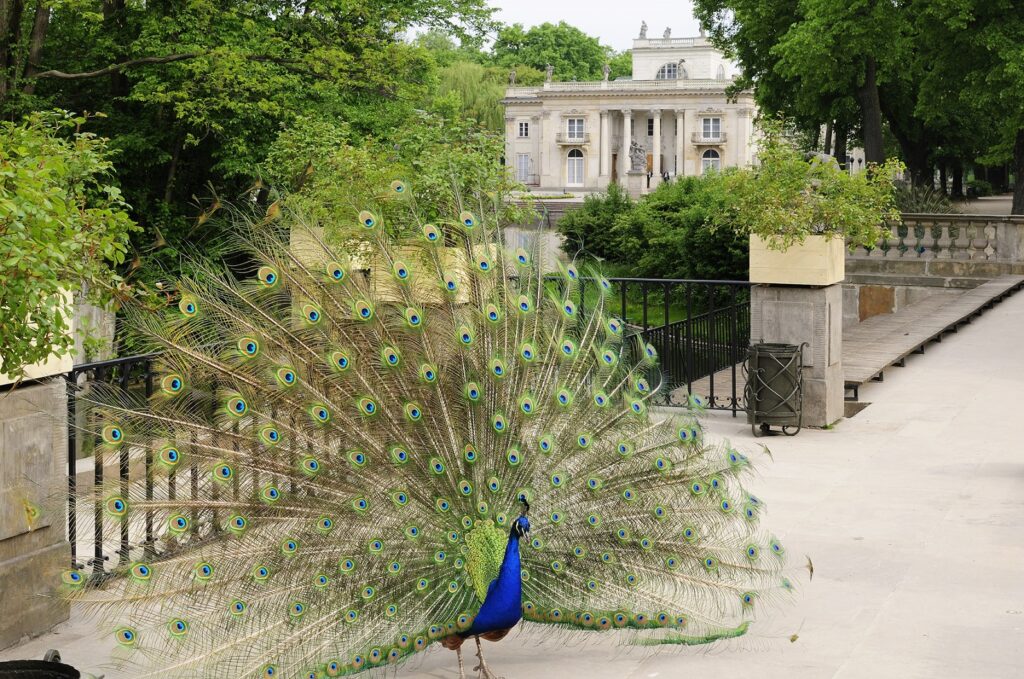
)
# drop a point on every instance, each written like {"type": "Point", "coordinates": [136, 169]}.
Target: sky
{"type": "Point", "coordinates": [615, 22]}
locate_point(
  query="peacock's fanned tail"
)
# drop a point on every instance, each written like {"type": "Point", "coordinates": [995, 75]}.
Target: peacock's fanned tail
{"type": "Point", "coordinates": [350, 430]}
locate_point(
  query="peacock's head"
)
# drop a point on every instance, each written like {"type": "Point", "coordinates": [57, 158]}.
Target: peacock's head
{"type": "Point", "coordinates": [521, 527]}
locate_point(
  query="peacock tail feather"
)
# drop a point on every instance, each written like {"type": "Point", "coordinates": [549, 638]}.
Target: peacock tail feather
{"type": "Point", "coordinates": [359, 420]}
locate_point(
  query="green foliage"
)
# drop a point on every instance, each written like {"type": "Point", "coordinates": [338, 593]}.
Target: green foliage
{"type": "Point", "coordinates": [978, 188]}
{"type": "Point", "coordinates": [63, 228]}
{"type": "Point", "coordinates": [590, 230]}
{"type": "Point", "coordinates": [329, 175]}
{"type": "Point", "coordinates": [621, 65]}
{"type": "Point", "coordinates": [669, 234]}
{"type": "Point", "coordinates": [573, 54]}
{"type": "Point", "coordinates": [923, 200]}
{"type": "Point", "coordinates": [787, 198]}
{"type": "Point", "coordinates": [195, 93]}
{"type": "Point", "coordinates": [479, 89]}
{"type": "Point", "coordinates": [664, 235]}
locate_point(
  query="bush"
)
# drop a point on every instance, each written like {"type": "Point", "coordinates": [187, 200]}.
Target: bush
{"type": "Point", "coordinates": [589, 231]}
{"type": "Point", "coordinates": [664, 235]}
{"type": "Point", "coordinates": [64, 227]}
{"type": "Point", "coordinates": [923, 200]}
{"type": "Point", "coordinates": [978, 188]}
{"type": "Point", "coordinates": [668, 234]}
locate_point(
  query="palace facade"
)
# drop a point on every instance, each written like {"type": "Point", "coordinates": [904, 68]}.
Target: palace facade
{"type": "Point", "coordinates": [673, 117]}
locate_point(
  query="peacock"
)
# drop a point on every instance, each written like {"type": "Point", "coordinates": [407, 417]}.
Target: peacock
{"type": "Point", "coordinates": [363, 445]}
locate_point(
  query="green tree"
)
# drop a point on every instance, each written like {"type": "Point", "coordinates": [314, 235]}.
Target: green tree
{"type": "Point", "coordinates": [621, 65]}
{"type": "Point", "coordinates": [195, 93]}
{"type": "Point", "coordinates": [64, 227]}
{"type": "Point", "coordinates": [573, 54]}
{"type": "Point", "coordinates": [976, 78]}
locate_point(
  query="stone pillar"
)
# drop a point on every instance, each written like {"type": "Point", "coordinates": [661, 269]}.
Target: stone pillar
{"type": "Point", "coordinates": [793, 314]}
{"type": "Point", "coordinates": [627, 137]}
{"type": "Point", "coordinates": [33, 469]}
{"type": "Point", "coordinates": [605, 145]}
{"type": "Point", "coordinates": [690, 152]}
{"type": "Point", "coordinates": [537, 134]}
{"type": "Point", "coordinates": [680, 135]}
{"type": "Point", "coordinates": [656, 148]}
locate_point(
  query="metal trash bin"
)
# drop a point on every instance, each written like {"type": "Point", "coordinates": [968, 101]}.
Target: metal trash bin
{"type": "Point", "coordinates": [50, 667]}
{"type": "Point", "coordinates": [774, 390]}
{"type": "Point", "coordinates": [37, 669]}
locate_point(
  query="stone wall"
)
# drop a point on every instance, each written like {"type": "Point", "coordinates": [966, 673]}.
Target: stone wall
{"type": "Point", "coordinates": [792, 314]}
{"type": "Point", "coordinates": [33, 459]}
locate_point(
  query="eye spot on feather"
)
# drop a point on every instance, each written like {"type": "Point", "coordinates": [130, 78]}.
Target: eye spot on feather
{"type": "Point", "coordinates": [177, 627]}
{"type": "Point", "coordinates": [367, 219]}
{"type": "Point", "coordinates": [172, 384]}
{"type": "Point", "coordinates": [267, 276]}
{"type": "Point", "coordinates": [335, 272]}
{"type": "Point", "coordinates": [188, 306]}
{"type": "Point", "coordinates": [126, 636]}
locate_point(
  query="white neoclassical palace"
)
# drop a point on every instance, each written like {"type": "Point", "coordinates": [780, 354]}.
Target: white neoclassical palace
{"type": "Point", "coordinates": [672, 117]}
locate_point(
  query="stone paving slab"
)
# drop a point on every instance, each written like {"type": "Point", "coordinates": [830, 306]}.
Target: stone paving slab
{"type": "Point", "coordinates": [913, 512]}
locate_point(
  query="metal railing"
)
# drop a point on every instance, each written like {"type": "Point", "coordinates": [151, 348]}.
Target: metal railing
{"type": "Point", "coordinates": [701, 331]}
{"type": "Point", "coordinates": [131, 373]}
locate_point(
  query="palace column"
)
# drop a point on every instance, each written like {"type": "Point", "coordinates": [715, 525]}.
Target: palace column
{"type": "Point", "coordinates": [605, 145]}
{"type": "Point", "coordinates": [656, 148]}
{"type": "Point", "coordinates": [537, 134]}
{"type": "Point", "coordinates": [627, 137]}
{"type": "Point", "coordinates": [680, 135]}
{"type": "Point", "coordinates": [690, 152]}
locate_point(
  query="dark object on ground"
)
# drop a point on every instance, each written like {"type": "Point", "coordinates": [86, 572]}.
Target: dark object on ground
{"type": "Point", "coordinates": [49, 668]}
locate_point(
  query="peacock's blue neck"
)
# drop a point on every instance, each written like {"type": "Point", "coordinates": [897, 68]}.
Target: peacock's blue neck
{"type": "Point", "coordinates": [503, 606]}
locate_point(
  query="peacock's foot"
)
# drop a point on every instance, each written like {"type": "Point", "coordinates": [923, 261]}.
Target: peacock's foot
{"type": "Point", "coordinates": [482, 668]}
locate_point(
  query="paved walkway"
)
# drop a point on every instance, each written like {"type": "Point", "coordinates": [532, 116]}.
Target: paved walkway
{"type": "Point", "coordinates": [913, 513]}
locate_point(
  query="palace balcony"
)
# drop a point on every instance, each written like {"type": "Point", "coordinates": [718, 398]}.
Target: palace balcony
{"type": "Point", "coordinates": [700, 140]}
{"type": "Point", "coordinates": [578, 139]}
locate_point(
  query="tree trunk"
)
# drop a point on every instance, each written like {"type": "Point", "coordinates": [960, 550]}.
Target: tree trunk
{"type": "Point", "coordinates": [828, 138]}
{"type": "Point", "coordinates": [1018, 171]}
{"type": "Point", "coordinates": [816, 137]}
{"type": "Point", "coordinates": [942, 179]}
{"type": "Point", "coordinates": [871, 114]}
{"type": "Point", "coordinates": [172, 171]}
{"type": "Point", "coordinates": [841, 135]}
{"type": "Point", "coordinates": [958, 179]}
{"type": "Point", "coordinates": [113, 16]}
{"type": "Point", "coordinates": [10, 36]}
{"type": "Point", "coordinates": [35, 44]}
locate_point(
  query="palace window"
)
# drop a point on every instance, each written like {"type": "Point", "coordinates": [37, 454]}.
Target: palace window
{"type": "Point", "coordinates": [711, 128]}
{"type": "Point", "coordinates": [523, 167]}
{"type": "Point", "coordinates": [650, 127]}
{"type": "Point", "coordinates": [721, 72]}
{"type": "Point", "coordinates": [574, 168]}
{"type": "Point", "coordinates": [710, 161]}
{"type": "Point", "coordinates": [575, 128]}
{"type": "Point", "coordinates": [524, 129]}
{"type": "Point", "coordinates": [669, 71]}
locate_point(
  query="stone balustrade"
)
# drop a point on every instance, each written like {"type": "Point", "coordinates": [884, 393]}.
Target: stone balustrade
{"type": "Point", "coordinates": [950, 247]}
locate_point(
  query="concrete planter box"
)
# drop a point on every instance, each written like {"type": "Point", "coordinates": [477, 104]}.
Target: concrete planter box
{"type": "Point", "coordinates": [816, 261]}
{"type": "Point", "coordinates": [55, 364]}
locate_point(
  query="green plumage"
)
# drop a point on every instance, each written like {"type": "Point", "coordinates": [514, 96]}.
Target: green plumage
{"type": "Point", "coordinates": [348, 433]}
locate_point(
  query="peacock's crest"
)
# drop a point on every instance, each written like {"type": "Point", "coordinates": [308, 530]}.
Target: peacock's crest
{"type": "Point", "coordinates": [350, 433]}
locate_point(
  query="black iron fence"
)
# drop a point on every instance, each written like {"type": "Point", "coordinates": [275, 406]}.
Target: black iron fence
{"type": "Point", "coordinates": [701, 331]}
{"type": "Point", "coordinates": [129, 374]}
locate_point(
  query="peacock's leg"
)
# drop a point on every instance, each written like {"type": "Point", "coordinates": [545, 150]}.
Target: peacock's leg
{"type": "Point", "coordinates": [462, 668]}
{"type": "Point", "coordinates": [485, 672]}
